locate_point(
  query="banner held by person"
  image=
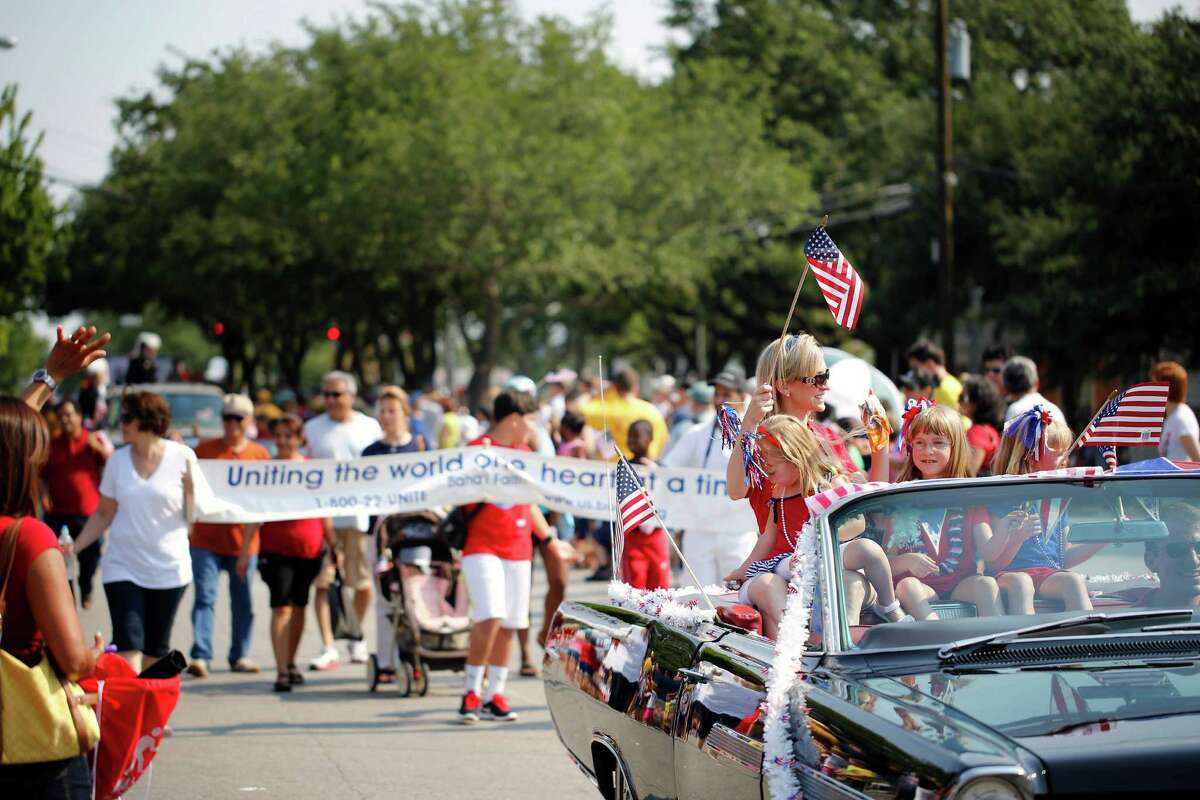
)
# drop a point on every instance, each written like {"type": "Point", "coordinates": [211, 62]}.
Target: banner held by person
{"type": "Point", "coordinates": [262, 491]}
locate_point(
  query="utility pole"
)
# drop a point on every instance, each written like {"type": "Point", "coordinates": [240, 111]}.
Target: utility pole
{"type": "Point", "coordinates": [946, 181]}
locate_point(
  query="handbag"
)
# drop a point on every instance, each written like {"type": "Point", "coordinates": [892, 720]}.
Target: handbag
{"type": "Point", "coordinates": [341, 610]}
{"type": "Point", "coordinates": [453, 528]}
{"type": "Point", "coordinates": [42, 715]}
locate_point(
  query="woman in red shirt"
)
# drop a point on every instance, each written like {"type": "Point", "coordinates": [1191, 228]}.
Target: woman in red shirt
{"type": "Point", "coordinates": [72, 486]}
{"type": "Point", "coordinates": [38, 609]}
{"type": "Point", "coordinates": [289, 558]}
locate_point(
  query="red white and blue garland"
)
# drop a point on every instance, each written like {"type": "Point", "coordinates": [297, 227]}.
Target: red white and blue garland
{"type": "Point", "coordinates": [682, 607]}
{"type": "Point", "coordinates": [779, 747]}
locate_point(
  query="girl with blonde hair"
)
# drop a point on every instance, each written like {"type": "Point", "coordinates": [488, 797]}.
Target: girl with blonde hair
{"type": "Point", "coordinates": [938, 554]}
{"type": "Point", "coordinates": [1035, 561]}
{"type": "Point", "coordinates": [798, 467]}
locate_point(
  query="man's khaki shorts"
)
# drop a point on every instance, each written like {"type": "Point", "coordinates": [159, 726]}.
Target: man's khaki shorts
{"type": "Point", "coordinates": [354, 545]}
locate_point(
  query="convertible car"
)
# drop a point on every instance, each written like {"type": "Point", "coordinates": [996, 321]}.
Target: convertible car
{"type": "Point", "coordinates": [1095, 694]}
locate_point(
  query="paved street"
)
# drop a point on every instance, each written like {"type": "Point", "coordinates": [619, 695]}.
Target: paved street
{"type": "Point", "coordinates": [331, 739]}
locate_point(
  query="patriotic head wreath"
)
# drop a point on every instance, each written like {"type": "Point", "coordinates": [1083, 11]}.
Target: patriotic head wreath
{"type": "Point", "coordinates": [914, 407]}
{"type": "Point", "coordinates": [1029, 428]}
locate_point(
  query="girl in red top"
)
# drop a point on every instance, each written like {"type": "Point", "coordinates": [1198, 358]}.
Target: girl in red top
{"type": "Point", "coordinates": [646, 559]}
{"type": "Point", "coordinates": [289, 558]}
{"type": "Point", "coordinates": [938, 555]}
{"type": "Point", "coordinates": [798, 468]}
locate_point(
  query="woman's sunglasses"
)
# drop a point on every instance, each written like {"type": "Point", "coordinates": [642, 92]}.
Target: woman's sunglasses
{"type": "Point", "coordinates": [820, 379]}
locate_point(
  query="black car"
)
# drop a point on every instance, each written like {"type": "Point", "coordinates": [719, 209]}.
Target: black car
{"type": "Point", "coordinates": [1098, 700]}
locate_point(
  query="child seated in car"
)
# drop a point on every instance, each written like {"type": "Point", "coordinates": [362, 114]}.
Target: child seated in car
{"type": "Point", "coordinates": [937, 553]}
{"type": "Point", "coordinates": [1035, 560]}
{"type": "Point", "coordinates": [798, 468]}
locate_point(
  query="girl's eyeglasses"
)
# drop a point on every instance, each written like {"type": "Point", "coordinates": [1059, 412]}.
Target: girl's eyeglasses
{"type": "Point", "coordinates": [820, 379]}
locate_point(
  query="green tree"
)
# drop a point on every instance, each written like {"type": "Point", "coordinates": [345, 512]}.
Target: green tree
{"type": "Point", "coordinates": [27, 215]}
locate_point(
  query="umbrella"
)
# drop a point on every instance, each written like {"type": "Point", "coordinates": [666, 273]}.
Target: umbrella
{"type": "Point", "coordinates": [849, 379]}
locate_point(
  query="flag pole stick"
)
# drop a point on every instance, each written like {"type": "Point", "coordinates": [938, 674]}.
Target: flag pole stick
{"type": "Point", "coordinates": [787, 323]}
{"type": "Point", "coordinates": [1083, 432]}
{"type": "Point", "coordinates": [617, 550]}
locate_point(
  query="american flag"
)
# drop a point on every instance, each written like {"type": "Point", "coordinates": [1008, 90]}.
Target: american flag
{"type": "Point", "coordinates": [1132, 417]}
{"type": "Point", "coordinates": [634, 506]}
{"type": "Point", "coordinates": [840, 284]}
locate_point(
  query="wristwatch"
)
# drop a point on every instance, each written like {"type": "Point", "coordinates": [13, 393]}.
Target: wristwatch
{"type": "Point", "coordinates": [42, 376]}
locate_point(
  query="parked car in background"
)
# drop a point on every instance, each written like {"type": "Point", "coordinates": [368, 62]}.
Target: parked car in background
{"type": "Point", "coordinates": [1100, 702]}
{"type": "Point", "coordinates": [195, 409]}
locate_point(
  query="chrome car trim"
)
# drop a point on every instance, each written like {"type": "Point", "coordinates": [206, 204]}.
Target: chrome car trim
{"type": "Point", "coordinates": [818, 786]}
{"type": "Point", "coordinates": [1022, 781]}
{"type": "Point", "coordinates": [830, 589]}
{"type": "Point", "coordinates": [725, 743]}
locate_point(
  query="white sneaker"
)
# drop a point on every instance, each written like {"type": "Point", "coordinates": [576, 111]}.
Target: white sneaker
{"type": "Point", "coordinates": [327, 660]}
{"type": "Point", "coordinates": [358, 652]}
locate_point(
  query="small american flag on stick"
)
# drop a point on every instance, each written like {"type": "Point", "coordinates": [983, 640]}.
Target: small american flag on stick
{"type": "Point", "coordinates": [634, 506]}
{"type": "Point", "coordinates": [843, 289]}
{"type": "Point", "coordinates": [1132, 417]}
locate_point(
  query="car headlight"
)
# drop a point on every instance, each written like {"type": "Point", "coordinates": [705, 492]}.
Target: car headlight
{"type": "Point", "coordinates": [989, 789]}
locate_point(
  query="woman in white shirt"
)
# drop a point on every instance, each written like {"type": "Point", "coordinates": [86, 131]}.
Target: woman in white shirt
{"type": "Point", "coordinates": [1180, 439]}
{"type": "Point", "coordinates": [147, 565]}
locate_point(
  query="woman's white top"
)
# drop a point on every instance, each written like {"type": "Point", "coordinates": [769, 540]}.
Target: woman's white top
{"type": "Point", "coordinates": [148, 538]}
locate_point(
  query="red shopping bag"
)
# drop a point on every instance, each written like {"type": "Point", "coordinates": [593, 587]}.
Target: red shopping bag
{"type": "Point", "coordinates": [133, 713]}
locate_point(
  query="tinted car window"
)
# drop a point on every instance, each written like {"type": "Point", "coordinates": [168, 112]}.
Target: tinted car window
{"type": "Point", "coordinates": [1105, 544]}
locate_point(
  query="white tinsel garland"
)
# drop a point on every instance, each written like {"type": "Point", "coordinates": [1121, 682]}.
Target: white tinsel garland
{"type": "Point", "coordinates": [779, 759]}
{"type": "Point", "coordinates": [683, 607]}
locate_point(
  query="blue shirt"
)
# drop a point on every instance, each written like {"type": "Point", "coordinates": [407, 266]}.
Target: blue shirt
{"type": "Point", "coordinates": [382, 448]}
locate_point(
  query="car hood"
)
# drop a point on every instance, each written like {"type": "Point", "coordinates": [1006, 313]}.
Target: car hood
{"type": "Point", "coordinates": [1097, 728]}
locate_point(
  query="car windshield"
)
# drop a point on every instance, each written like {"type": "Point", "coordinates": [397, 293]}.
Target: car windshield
{"type": "Point", "coordinates": [187, 409]}
{"type": "Point", "coordinates": [1036, 552]}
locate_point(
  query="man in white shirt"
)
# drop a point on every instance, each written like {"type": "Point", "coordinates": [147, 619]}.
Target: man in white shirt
{"type": "Point", "coordinates": [343, 433]}
{"type": "Point", "coordinates": [713, 552]}
{"type": "Point", "coordinates": [1021, 384]}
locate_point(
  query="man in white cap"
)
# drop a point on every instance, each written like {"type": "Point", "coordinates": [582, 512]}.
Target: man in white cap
{"type": "Point", "coordinates": [142, 368]}
{"type": "Point", "coordinates": [218, 548]}
{"type": "Point", "coordinates": [713, 552]}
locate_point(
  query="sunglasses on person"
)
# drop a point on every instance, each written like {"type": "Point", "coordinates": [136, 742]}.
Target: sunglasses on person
{"type": "Point", "coordinates": [127, 418]}
{"type": "Point", "coordinates": [820, 379]}
{"type": "Point", "coordinates": [231, 418]}
{"type": "Point", "coordinates": [1181, 550]}
{"type": "Point", "coordinates": [335, 395]}
{"type": "Point", "coordinates": [995, 370]}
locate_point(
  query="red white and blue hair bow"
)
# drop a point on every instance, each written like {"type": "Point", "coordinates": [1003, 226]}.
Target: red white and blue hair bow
{"type": "Point", "coordinates": [1031, 427]}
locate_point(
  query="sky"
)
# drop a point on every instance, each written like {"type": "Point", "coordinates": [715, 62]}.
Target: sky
{"type": "Point", "coordinates": [75, 57]}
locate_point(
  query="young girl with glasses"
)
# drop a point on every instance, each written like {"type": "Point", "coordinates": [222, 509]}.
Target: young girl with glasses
{"type": "Point", "coordinates": [1034, 564]}
{"type": "Point", "coordinates": [938, 553]}
{"type": "Point", "coordinates": [797, 469]}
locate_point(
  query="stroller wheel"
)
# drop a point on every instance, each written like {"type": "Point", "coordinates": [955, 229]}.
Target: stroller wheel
{"type": "Point", "coordinates": [404, 677]}
{"type": "Point", "coordinates": [372, 673]}
{"type": "Point", "coordinates": [421, 679]}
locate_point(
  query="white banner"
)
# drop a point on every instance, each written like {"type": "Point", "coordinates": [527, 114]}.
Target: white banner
{"type": "Point", "coordinates": [261, 491]}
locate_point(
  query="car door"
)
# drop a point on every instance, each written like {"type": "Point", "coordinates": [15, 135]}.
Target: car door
{"type": "Point", "coordinates": [719, 733]}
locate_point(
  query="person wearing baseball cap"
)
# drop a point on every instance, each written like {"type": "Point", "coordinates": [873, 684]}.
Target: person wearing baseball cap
{"type": "Point", "coordinates": [713, 552]}
{"type": "Point", "coordinates": [225, 548]}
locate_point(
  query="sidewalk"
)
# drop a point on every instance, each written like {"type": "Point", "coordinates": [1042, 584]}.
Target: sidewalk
{"type": "Point", "coordinates": [234, 737]}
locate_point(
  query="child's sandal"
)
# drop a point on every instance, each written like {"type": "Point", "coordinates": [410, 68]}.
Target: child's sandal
{"type": "Point", "coordinates": [883, 611]}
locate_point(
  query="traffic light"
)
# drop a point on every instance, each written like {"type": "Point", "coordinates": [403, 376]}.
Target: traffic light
{"type": "Point", "coordinates": [218, 328]}
{"type": "Point", "coordinates": [333, 333]}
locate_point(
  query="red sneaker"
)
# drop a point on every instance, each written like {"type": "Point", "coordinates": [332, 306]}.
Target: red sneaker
{"type": "Point", "coordinates": [497, 709]}
{"type": "Point", "coordinates": [468, 711]}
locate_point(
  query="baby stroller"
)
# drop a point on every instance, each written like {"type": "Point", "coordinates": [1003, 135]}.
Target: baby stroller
{"type": "Point", "coordinates": [423, 599]}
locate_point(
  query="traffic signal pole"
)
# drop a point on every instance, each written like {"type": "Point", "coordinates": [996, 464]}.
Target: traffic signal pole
{"type": "Point", "coordinates": [946, 181]}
